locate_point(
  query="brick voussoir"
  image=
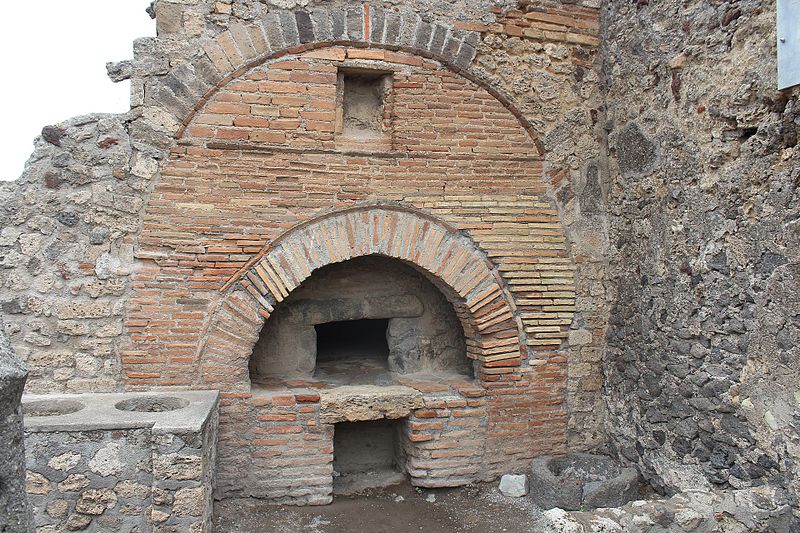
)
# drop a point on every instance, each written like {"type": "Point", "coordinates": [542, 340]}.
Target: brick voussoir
{"type": "Point", "coordinates": [177, 106]}
{"type": "Point", "coordinates": [206, 70]}
{"type": "Point", "coordinates": [216, 55]}
{"type": "Point", "coordinates": [258, 36]}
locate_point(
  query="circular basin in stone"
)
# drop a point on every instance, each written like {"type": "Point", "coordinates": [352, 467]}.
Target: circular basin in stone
{"type": "Point", "coordinates": [152, 404]}
{"type": "Point", "coordinates": [582, 481]}
{"type": "Point", "coordinates": [51, 407]}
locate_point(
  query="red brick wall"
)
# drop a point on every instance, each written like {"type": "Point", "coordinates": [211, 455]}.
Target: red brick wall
{"type": "Point", "coordinates": [262, 157]}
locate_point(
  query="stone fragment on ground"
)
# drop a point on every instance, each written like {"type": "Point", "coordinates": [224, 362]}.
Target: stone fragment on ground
{"type": "Point", "coordinates": [514, 486]}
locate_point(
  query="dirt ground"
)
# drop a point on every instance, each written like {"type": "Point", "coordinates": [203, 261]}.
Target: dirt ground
{"type": "Point", "coordinates": [399, 509]}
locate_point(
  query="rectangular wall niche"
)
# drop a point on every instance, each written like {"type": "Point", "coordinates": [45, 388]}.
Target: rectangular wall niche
{"type": "Point", "coordinates": [364, 104]}
{"type": "Point", "coordinates": [366, 455]}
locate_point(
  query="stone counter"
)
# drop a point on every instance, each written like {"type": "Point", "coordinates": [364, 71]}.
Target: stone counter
{"type": "Point", "coordinates": [121, 462]}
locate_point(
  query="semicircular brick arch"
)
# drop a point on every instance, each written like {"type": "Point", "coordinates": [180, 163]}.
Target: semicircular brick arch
{"type": "Point", "coordinates": [189, 86]}
{"type": "Point", "coordinates": [450, 259]}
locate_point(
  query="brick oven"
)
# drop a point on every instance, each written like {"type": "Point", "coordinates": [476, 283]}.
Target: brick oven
{"type": "Point", "coordinates": [354, 245]}
{"type": "Point", "coordinates": [349, 234]}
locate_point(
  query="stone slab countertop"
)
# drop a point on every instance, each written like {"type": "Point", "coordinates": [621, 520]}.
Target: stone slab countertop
{"type": "Point", "coordinates": [164, 411]}
{"type": "Point", "coordinates": [368, 402]}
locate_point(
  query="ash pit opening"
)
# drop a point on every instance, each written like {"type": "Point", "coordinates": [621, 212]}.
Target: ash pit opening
{"type": "Point", "coordinates": [366, 456]}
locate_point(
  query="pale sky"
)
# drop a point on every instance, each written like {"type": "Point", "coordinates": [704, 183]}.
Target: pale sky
{"type": "Point", "coordinates": [54, 66]}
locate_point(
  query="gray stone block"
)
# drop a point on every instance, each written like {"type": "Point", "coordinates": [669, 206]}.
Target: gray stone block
{"type": "Point", "coordinates": [408, 29]}
{"type": "Point", "coordinates": [438, 39]}
{"type": "Point", "coordinates": [514, 486]}
{"type": "Point", "coordinates": [423, 37]}
{"type": "Point", "coordinates": [466, 55]}
{"type": "Point", "coordinates": [291, 37]}
{"type": "Point", "coordinates": [272, 28]}
{"type": "Point", "coordinates": [393, 25]}
{"type": "Point", "coordinates": [355, 23]}
{"type": "Point", "coordinates": [169, 101]}
{"type": "Point", "coordinates": [450, 50]}
{"type": "Point", "coordinates": [120, 70]}
{"type": "Point", "coordinates": [14, 513]}
{"type": "Point", "coordinates": [339, 25]}
{"type": "Point", "coordinates": [185, 83]}
{"type": "Point", "coordinates": [205, 70]}
{"type": "Point", "coordinates": [581, 481]}
{"type": "Point", "coordinates": [377, 17]}
{"type": "Point", "coordinates": [305, 27]}
{"type": "Point", "coordinates": [321, 19]}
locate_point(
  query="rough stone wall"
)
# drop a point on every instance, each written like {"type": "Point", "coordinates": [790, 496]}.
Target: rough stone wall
{"type": "Point", "coordinates": [121, 480]}
{"type": "Point", "coordinates": [93, 481]}
{"type": "Point", "coordinates": [14, 513]}
{"type": "Point", "coordinates": [702, 365]}
{"type": "Point", "coordinates": [763, 508]}
{"type": "Point", "coordinates": [66, 251]}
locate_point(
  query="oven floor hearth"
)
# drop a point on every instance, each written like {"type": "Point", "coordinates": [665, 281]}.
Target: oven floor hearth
{"type": "Point", "coordinates": [365, 371]}
{"type": "Point", "coordinates": [356, 370]}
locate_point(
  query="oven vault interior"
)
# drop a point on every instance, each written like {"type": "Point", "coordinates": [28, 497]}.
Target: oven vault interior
{"type": "Point", "coordinates": [359, 322]}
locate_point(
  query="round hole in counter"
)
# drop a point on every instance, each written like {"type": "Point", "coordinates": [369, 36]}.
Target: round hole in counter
{"type": "Point", "coordinates": [51, 407]}
{"type": "Point", "coordinates": [152, 404]}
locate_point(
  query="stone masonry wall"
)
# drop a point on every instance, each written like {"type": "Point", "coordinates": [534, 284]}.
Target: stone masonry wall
{"type": "Point", "coordinates": [66, 251]}
{"type": "Point", "coordinates": [703, 176]}
{"type": "Point", "coordinates": [126, 480]}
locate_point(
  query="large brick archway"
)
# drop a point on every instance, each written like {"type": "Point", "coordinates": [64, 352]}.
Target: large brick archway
{"type": "Point", "coordinates": [450, 259]}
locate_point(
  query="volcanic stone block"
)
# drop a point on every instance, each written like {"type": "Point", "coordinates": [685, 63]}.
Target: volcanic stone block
{"type": "Point", "coordinates": [14, 513]}
{"type": "Point", "coordinates": [582, 481]}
